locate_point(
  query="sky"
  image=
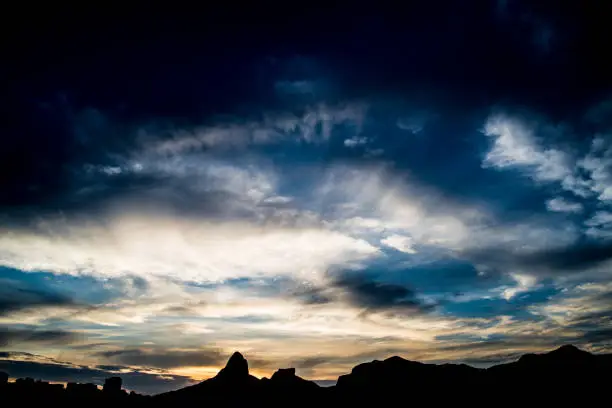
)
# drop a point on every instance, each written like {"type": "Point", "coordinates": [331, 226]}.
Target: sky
{"type": "Point", "coordinates": [315, 190]}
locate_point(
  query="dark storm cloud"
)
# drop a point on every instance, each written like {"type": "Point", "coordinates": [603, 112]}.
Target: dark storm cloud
{"type": "Point", "coordinates": [312, 295]}
{"type": "Point", "coordinates": [133, 380]}
{"type": "Point", "coordinates": [16, 295]}
{"type": "Point", "coordinates": [363, 292]}
{"type": "Point", "coordinates": [164, 358]}
{"type": "Point", "coordinates": [312, 362]}
{"type": "Point", "coordinates": [576, 259]}
{"type": "Point", "coordinates": [372, 295]}
{"type": "Point", "coordinates": [10, 336]}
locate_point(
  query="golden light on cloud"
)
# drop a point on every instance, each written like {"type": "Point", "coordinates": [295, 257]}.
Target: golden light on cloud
{"type": "Point", "coordinates": [197, 372]}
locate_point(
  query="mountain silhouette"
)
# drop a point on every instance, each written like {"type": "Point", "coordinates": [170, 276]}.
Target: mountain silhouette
{"type": "Point", "coordinates": [567, 374]}
{"type": "Point", "coordinates": [534, 375]}
{"type": "Point", "coordinates": [236, 369]}
{"type": "Point", "coordinates": [233, 386]}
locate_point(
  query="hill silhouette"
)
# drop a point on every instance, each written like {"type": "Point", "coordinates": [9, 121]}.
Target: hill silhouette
{"type": "Point", "coordinates": [560, 376]}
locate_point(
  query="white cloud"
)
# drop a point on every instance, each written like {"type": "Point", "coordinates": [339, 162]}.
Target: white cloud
{"type": "Point", "coordinates": [515, 145]}
{"type": "Point", "coordinates": [159, 245]}
{"type": "Point", "coordinates": [399, 242]}
{"type": "Point", "coordinates": [600, 225]}
{"type": "Point", "coordinates": [601, 218]}
{"type": "Point", "coordinates": [337, 223]}
{"type": "Point", "coordinates": [598, 165]}
{"type": "Point", "coordinates": [314, 126]}
{"type": "Point", "coordinates": [524, 283]}
{"type": "Point", "coordinates": [355, 141]}
{"type": "Point", "coordinates": [278, 200]}
{"type": "Point", "coordinates": [371, 200]}
{"type": "Point", "coordinates": [361, 195]}
{"type": "Point", "coordinates": [559, 204]}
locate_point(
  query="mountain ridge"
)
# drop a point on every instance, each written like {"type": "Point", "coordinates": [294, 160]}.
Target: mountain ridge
{"type": "Point", "coordinates": [561, 375]}
{"type": "Point", "coordinates": [566, 365]}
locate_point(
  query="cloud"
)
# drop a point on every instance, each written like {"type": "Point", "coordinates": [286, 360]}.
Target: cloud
{"type": "Point", "coordinates": [315, 125]}
{"type": "Point", "coordinates": [600, 225]}
{"type": "Point", "coordinates": [371, 295]}
{"type": "Point", "coordinates": [576, 258]}
{"type": "Point", "coordinates": [521, 143]}
{"type": "Point", "coordinates": [524, 284]}
{"type": "Point", "coordinates": [399, 242]}
{"type": "Point", "coordinates": [312, 295]}
{"type": "Point", "coordinates": [516, 146]}
{"type": "Point", "coordinates": [16, 296]}
{"type": "Point", "coordinates": [596, 164]}
{"type": "Point", "coordinates": [376, 201]}
{"type": "Point", "coordinates": [10, 336]}
{"type": "Point", "coordinates": [585, 259]}
{"type": "Point", "coordinates": [583, 170]}
{"type": "Point", "coordinates": [599, 336]}
{"type": "Point", "coordinates": [198, 184]}
{"type": "Point", "coordinates": [311, 362]}
{"type": "Point", "coordinates": [581, 314]}
{"type": "Point", "coordinates": [200, 211]}
{"type": "Point", "coordinates": [355, 141]}
{"type": "Point", "coordinates": [158, 245]}
{"type": "Point", "coordinates": [559, 204]}
{"type": "Point", "coordinates": [164, 359]}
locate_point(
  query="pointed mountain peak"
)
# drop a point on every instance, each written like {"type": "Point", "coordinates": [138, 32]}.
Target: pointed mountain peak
{"type": "Point", "coordinates": [237, 356]}
{"type": "Point", "coordinates": [236, 367]}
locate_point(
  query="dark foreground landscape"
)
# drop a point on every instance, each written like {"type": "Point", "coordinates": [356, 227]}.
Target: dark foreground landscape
{"type": "Point", "coordinates": [565, 375]}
